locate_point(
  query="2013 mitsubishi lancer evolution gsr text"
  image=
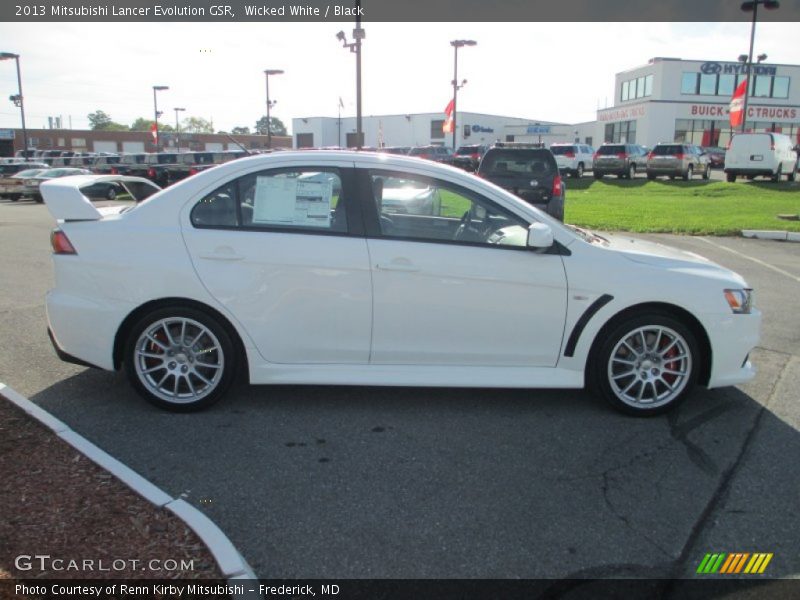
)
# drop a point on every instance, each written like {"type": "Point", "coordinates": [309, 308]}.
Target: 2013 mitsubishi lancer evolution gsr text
{"type": "Point", "coordinates": [333, 267]}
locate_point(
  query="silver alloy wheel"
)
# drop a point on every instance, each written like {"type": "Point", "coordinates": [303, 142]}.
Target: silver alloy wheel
{"type": "Point", "coordinates": [649, 366]}
{"type": "Point", "coordinates": [179, 360]}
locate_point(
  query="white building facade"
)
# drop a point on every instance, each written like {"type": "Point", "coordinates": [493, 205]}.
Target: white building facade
{"type": "Point", "coordinates": [670, 99]}
{"type": "Point", "coordinates": [424, 129]}
{"type": "Point", "coordinates": [666, 100]}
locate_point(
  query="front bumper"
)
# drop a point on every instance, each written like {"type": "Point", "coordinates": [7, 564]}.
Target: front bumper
{"type": "Point", "coordinates": [733, 338]}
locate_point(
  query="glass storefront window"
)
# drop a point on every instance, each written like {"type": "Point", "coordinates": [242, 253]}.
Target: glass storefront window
{"type": "Point", "coordinates": [689, 83]}
{"type": "Point", "coordinates": [780, 87]}
{"type": "Point", "coordinates": [708, 85]}
{"type": "Point", "coordinates": [727, 85]}
{"type": "Point", "coordinates": [762, 86]}
{"type": "Point", "coordinates": [648, 85]}
{"type": "Point", "coordinates": [625, 95]}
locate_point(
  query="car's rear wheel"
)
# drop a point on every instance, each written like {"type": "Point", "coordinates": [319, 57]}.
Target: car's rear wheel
{"type": "Point", "coordinates": [646, 364]}
{"type": "Point", "coordinates": [730, 177]}
{"type": "Point", "coordinates": [789, 176]}
{"type": "Point", "coordinates": [579, 171]}
{"type": "Point", "coordinates": [687, 174]}
{"type": "Point", "coordinates": [180, 359]}
{"type": "Point", "coordinates": [651, 176]}
{"type": "Point", "coordinates": [631, 171]}
{"type": "Point", "coordinates": [38, 198]}
{"type": "Point", "coordinates": [707, 172]}
{"type": "Point", "coordinates": [598, 175]}
{"type": "Point", "coordinates": [777, 175]}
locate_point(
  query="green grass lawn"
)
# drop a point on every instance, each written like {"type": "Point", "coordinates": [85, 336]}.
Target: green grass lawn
{"type": "Point", "coordinates": [694, 207]}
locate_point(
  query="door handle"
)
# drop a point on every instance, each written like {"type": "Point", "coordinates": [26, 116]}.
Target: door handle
{"type": "Point", "coordinates": [223, 253]}
{"type": "Point", "coordinates": [398, 264]}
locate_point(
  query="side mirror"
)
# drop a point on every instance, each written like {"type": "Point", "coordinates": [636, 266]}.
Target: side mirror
{"type": "Point", "coordinates": [540, 236]}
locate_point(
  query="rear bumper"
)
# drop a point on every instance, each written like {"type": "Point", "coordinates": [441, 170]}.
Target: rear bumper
{"type": "Point", "coordinates": [751, 172]}
{"type": "Point", "coordinates": [67, 357]}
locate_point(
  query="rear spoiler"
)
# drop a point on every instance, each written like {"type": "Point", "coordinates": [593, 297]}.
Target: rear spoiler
{"type": "Point", "coordinates": [66, 202]}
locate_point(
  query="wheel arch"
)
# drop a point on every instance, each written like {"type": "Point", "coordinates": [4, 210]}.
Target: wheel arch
{"type": "Point", "coordinates": [665, 308]}
{"type": "Point", "coordinates": [136, 314]}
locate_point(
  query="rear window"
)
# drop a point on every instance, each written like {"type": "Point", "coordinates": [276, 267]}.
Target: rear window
{"type": "Point", "coordinates": [611, 149]}
{"type": "Point", "coordinates": [561, 150]}
{"type": "Point", "coordinates": [668, 149]}
{"type": "Point", "coordinates": [466, 150]}
{"type": "Point", "coordinates": [532, 162]}
{"type": "Point", "coordinates": [418, 151]}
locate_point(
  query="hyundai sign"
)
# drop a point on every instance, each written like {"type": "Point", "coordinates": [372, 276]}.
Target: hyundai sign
{"type": "Point", "coordinates": [714, 68]}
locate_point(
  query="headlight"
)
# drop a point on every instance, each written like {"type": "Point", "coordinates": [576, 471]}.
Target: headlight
{"type": "Point", "coordinates": [740, 300]}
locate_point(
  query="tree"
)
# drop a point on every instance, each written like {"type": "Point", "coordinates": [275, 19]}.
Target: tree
{"type": "Point", "coordinates": [240, 131]}
{"type": "Point", "coordinates": [101, 121]}
{"type": "Point", "coordinates": [142, 124]}
{"type": "Point", "coordinates": [197, 125]}
{"type": "Point", "coordinates": [276, 126]}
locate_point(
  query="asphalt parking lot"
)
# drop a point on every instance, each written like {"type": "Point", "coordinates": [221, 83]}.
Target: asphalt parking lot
{"type": "Point", "coordinates": [346, 482]}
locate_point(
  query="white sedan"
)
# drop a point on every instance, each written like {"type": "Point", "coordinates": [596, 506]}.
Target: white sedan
{"type": "Point", "coordinates": [288, 268]}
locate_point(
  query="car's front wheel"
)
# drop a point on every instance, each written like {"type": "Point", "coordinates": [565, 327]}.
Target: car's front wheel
{"type": "Point", "coordinates": [631, 171]}
{"type": "Point", "coordinates": [180, 359]}
{"type": "Point", "coordinates": [687, 174]}
{"type": "Point", "coordinates": [646, 364]}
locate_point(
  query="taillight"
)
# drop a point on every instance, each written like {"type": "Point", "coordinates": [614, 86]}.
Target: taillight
{"type": "Point", "coordinates": [193, 171]}
{"type": "Point", "coordinates": [557, 185]}
{"type": "Point", "coordinates": [114, 171]}
{"type": "Point", "coordinates": [595, 155]}
{"type": "Point", "coordinates": [569, 154]}
{"type": "Point", "coordinates": [151, 172]}
{"type": "Point", "coordinates": [475, 155]}
{"type": "Point", "coordinates": [650, 155]}
{"type": "Point", "coordinates": [424, 155]}
{"type": "Point", "coordinates": [621, 155]}
{"type": "Point", "coordinates": [679, 155]}
{"type": "Point", "coordinates": [60, 243]}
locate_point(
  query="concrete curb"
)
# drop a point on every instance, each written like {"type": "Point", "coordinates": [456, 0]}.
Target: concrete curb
{"type": "Point", "coordinates": [781, 236]}
{"type": "Point", "coordinates": [231, 563]}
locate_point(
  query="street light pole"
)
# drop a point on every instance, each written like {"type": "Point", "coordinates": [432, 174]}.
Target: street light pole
{"type": "Point", "coordinates": [270, 104]}
{"type": "Point", "coordinates": [752, 5]}
{"type": "Point", "coordinates": [456, 44]}
{"type": "Point", "coordinates": [7, 56]}
{"type": "Point", "coordinates": [178, 129]}
{"type": "Point", "coordinates": [358, 34]}
{"type": "Point", "coordinates": [157, 88]}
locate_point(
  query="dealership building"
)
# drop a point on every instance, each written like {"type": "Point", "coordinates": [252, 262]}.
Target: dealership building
{"type": "Point", "coordinates": [665, 100]}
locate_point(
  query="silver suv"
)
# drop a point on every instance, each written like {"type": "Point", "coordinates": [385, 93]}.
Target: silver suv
{"type": "Point", "coordinates": [677, 160]}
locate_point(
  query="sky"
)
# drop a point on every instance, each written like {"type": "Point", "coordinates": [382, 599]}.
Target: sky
{"type": "Point", "coordinates": [560, 72]}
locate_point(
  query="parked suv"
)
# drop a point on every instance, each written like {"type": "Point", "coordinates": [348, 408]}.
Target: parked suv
{"type": "Point", "coordinates": [677, 160]}
{"type": "Point", "coordinates": [574, 159]}
{"type": "Point", "coordinates": [469, 157]}
{"type": "Point", "coordinates": [622, 160]}
{"type": "Point", "coordinates": [528, 172]}
{"type": "Point", "coordinates": [440, 154]}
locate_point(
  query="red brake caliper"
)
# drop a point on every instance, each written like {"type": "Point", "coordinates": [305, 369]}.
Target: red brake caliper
{"type": "Point", "coordinates": [672, 366]}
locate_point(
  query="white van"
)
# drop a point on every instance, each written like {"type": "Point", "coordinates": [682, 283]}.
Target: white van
{"type": "Point", "coordinates": [767, 154]}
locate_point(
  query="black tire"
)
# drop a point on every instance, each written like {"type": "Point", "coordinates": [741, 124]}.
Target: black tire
{"type": "Point", "coordinates": [38, 198]}
{"type": "Point", "coordinates": [730, 177]}
{"type": "Point", "coordinates": [14, 197]}
{"type": "Point", "coordinates": [707, 172]}
{"type": "Point", "coordinates": [649, 373]}
{"type": "Point", "coordinates": [789, 176]}
{"type": "Point", "coordinates": [687, 174]}
{"type": "Point", "coordinates": [776, 177]}
{"type": "Point", "coordinates": [579, 171]}
{"type": "Point", "coordinates": [178, 351]}
{"type": "Point", "coordinates": [651, 176]}
{"type": "Point", "coordinates": [631, 171]}
{"type": "Point", "coordinates": [111, 194]}
{"type": "Point", "coordinates": [598, 175]}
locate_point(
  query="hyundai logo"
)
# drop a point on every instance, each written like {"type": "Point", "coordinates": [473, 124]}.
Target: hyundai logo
{"type": "Point", "coordinates": [710, 68]}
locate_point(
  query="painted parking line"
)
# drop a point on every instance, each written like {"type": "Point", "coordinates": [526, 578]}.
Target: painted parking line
{"type": "Point", "coordinates": [752, 259]}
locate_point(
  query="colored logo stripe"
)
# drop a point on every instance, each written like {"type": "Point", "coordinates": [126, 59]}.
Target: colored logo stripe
{"type": "Point", "coordinates": [734, 562]}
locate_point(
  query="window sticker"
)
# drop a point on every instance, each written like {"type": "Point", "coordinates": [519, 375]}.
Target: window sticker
{"type": "Point", "coordinates": [293, 201]}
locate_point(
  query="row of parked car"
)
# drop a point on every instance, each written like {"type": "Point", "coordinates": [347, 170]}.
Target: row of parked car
{"type": "Point", "coordinates": [22, 179]}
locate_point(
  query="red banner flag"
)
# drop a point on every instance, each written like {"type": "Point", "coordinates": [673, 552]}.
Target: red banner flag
{"type": "Point", "coordinates": [153, 131]}
{"type": "Point", "coordinates": [447, 126]}
{"type": "Point", "coordinates": [737, 104]}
